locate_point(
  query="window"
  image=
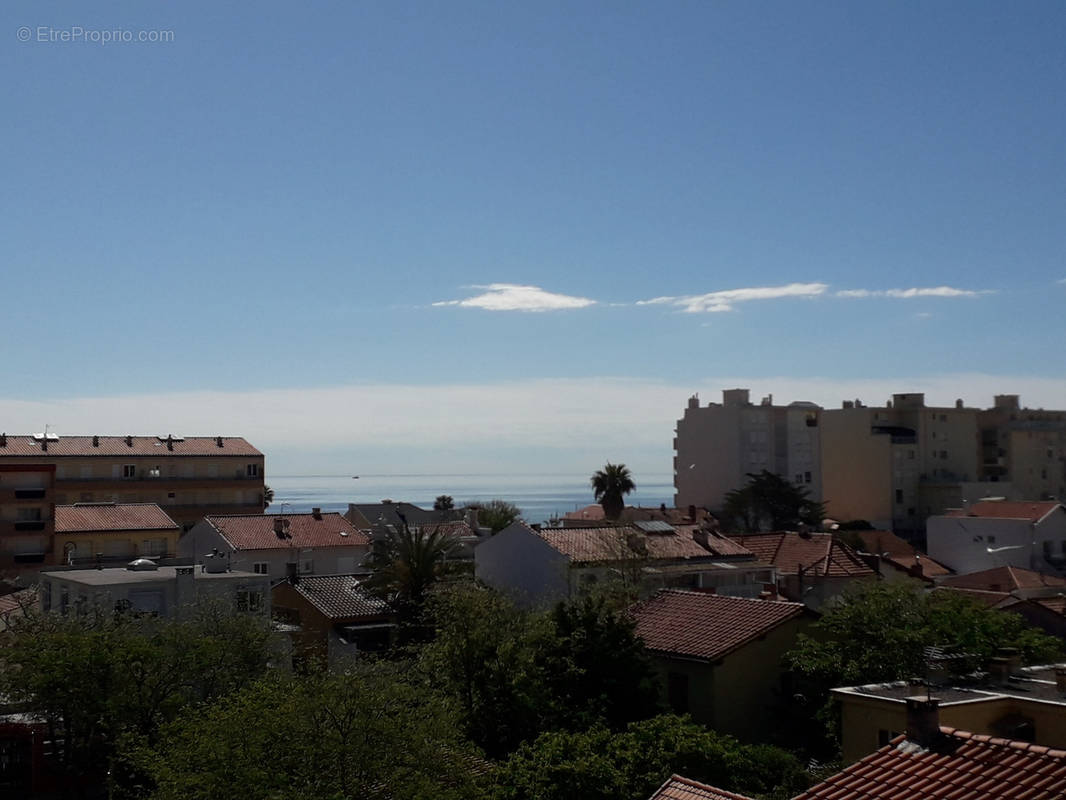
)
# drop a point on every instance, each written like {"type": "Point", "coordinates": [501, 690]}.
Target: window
{"type": "Point", "coordinates": [944, 454]}
{"type": "Point", "coordinates": [252, 470]}
{"type": "Point", "coordinates": [806, 477]}
{"type": "Point", "coordinates": [677, 691]}
{"type": "Point", "coordinates": [812, 419]}
{"type": "Point", "coordinates": [991, 539]}
{"type": "Point", "coordinates": [910, 455]}
{"type": "Point", "coordinates": [307, 565]}
{"type": "Point", "coordinates": [1048, 549]}
{"type": "Point", "coordinates": [884, 737]}
{"type": "Point", "coordinates": [129, 470]}
{"type": "Point", "coordinates": [899, 495]}
{"type": "Point", "coordinates": [799, 478]}
{"type": "Point", "coordinates": [1043, 473]}
{"type": "Point", "coordinates": [154, 472]}
{"type": "Point", "coordinates": [943, 417]}
{"type": "Point", "coordinates": [28, 515]}
{"type": "Point", "coordinates": [261, 568]}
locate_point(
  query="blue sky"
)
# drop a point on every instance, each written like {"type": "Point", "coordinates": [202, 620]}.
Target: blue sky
{"type": "Point", "coordinates": [344, 198]}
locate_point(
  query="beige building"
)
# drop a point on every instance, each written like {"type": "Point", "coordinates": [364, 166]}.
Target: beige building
{"type": "Point", "coordinates": [1027, 704]}
{"type": "Point", "coordinates": [110, 533]}
{"type": "Point", "coordinates": [188, 477]}
{"type": "Point", "coordinates": [717, 445]}
{"type": "Point", "coordinates": [892, 465]}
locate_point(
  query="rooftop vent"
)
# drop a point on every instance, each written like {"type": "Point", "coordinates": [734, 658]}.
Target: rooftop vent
{"type": "Point", "coordinates": [129, 441]}
{"type": "Point", "coordinates": [218, 441]}
{"type": "Point", "coordinates": [142, 565]}
{"type": "Point", "coordinates": [96, 441]}
{"type": "Point", "coordinates": [316, 512]}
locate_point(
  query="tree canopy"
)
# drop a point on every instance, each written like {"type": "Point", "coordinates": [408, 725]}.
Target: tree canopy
{"type": "Point", "coordinates": [496, 514]}
{"type": "Point", "coordinates": [770, 503]}
{"type": "Point", "coordinates": [598, 764]}
{"type": "Point", "coordinates": [609, 487]}
{"type": "Point", "coordinates": [444, 502]}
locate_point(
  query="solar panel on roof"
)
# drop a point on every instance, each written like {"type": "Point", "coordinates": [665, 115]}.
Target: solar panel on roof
{"type": "Point", "coordinates": [654, 526]}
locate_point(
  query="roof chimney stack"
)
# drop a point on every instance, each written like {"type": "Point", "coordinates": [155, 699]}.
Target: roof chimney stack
{"type": "Point", "coordinates": [316, 512]}
{"type": "Point", "coordinates": [96, 441]}
{"type": "Point", "coordinates": [923, 720]}
{"type": "Point", "coordinates": [218, 441]}
{"type": "Point", "coordinates": [129, 441]}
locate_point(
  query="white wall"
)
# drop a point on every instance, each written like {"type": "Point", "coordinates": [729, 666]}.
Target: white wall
{"type": "Point", "coordinates": [519, 563]}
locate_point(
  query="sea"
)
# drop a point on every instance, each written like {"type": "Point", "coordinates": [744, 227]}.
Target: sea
{"type": "Point", "coordinates": [538, 497]}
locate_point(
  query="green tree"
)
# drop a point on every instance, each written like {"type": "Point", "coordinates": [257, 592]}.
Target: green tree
{"type": "Point", "coordinates": [879, 631]}
{"type": "Point", "coordinates": [364, 734]}
{"type": "Point", "coordinates": [268, 496]}
{"type": "Point", "coordinates": [443, 502]}
{"type": "Point", "coordinates": [95, 677]}
{"type": "Point", "coordinates": [600, 765]}
{"type": "Point", "coordinates": [496, 514]}
{"type": "Point", "coordinates": [609, 487]}
{"type": "Point", "coordinates": [769, 502]}
{"type": "Point", "coordinates": [596, 669]}
{"type": "Point", "coordinates": [406, 563]}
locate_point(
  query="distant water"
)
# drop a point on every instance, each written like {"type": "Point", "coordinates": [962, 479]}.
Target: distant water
{"type": "Point", "coordinates": [538, 496]}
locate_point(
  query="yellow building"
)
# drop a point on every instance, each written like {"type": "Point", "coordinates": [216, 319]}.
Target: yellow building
{"type": "Point", "coordinates": [1028, 706]}
{"type": "Point", "coordinates": [107, 533]}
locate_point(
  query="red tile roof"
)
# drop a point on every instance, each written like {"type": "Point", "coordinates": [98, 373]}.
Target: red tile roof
{"type": "Point", "coordinates": [675, 516]}
{"type": "Point", "coordinates": [616, 543]}
{"type": "Point", "coordinates": [1032, 510]}
{"type": "Point", "coordinates": [86, 517]}
{"type": "Point", "coordinates": [340, 596]}
{"type": "Point", "coordinates": [678, 788]}
{"type": "Point", "coordinates": [1004, 579]}
{"type": "Point", "coordinates": [962, 766]}
{"type": "Point", "coordinates": [256, 531]}
{"type": "Point", "coordinates": [901, 553]}
{"type": "Point", "coordinates": [706, 626]}
{"type": "Point", "coordinates": [818, 553]}
{"type": "Point", "coordinates": [24, 445]}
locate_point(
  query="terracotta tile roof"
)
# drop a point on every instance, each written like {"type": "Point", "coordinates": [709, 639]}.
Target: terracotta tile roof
{"type": "Point", "coordinates": [986, 598]}
{"type": "Point", "coordinates": [1057, 604]}
{"type": "Point", "coordinates": [675, 516]}
{"type": "Point", "coordinates": [1032, 510]}
{"type": "Point", "coordinates": [17, 602]}
{"type": "Point", "coordinates": [962, 766]}
{"type": "Point", "coordinates": [901, 553]}
{"type": "Point", "coordinates": [818, 553]}
{"type": "Point", "coordinates": [617, 542]}
{"type": "Point", "coordinates": [1004, 579]}
{"type": "Point", "coordinates": [678, 788]}
{"type": "Point", "coordinates": [706, 626]}
{"type": "Point", "coordinates": [86, 517]}
{"type": "Point", "coordinates": [720, 545]}
{"type": "Point", "coordinates": [25, 445]}
{"type": "Point", "coordinates": [340, 596]}
{"type": "Point", "coordinates": [256, 531]}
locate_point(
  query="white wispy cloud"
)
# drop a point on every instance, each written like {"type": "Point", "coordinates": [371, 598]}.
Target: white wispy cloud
{"type": "Point", "coordinates": [906, 294]}
{"type": "Point", "coordinates": [726, 300]}
{"type": "Point", "coordinates": [514, 297]}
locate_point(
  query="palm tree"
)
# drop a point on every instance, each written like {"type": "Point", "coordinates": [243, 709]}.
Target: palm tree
{"type": "Point", "coordinates": [268, 496]}
{"type": "Point", "coordinates": [407, 562]}
{"type": "Point", "coordinates": [609, 487]}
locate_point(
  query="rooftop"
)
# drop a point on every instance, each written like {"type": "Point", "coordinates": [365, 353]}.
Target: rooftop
{"type": "Point", "coordinates": [959, 766]}
{"type": "Point", "coordinates": [340, 596]}
{"type": "Point", "coordinates": [706, 626]}
{"type": "Point", "coordinates": [900, 553]}
{"type": "Point", "coordinates": [1031, 510]}
{"type": "Point", "coordinates": [628, 542]}
{"type": "Point", "coordinates": [817, 553]}
{"type": "Point", "coordinates": [256, 531]}
{"type": "Point", "coordinates": [1005, 579]}
{"type": "Point", "coordinates": [85, 517]}
{"type": "Point", "coordinates": [678, 788]}
{"type": "Point", "coordinates": [120, 575]}
{"type": "Point", "coordinates": [1035, 683]}
{"type": "Point", "coordinates": [158, 446]}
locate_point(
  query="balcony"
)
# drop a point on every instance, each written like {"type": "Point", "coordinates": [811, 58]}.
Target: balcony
{"type": "Point", "coordinates": [30, 494]}
{"type": "Point", "coordinates": [142, 480]}
{"type": "Point", "coordinates": [10, 527]}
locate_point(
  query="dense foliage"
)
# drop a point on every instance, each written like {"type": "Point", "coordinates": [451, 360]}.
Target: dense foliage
{"type": "Point", "coordinates": [769, 503]}
{"type": "Point", "coordinates": [496, 514]}
{"type": "Point", "coordinates": [880, 631]}
{"type": "Point", "coordinates": [96, 677]}
{"type": "Point", "coordinates": [598, 764]}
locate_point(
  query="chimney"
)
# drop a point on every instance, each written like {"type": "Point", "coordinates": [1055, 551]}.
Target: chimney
{"type": "Point", "coordinates": [218, 441]}
{"type": "Point", "coordinates": [766, 595]}
{"type": "Point", "coordinates": [3, 439]}
{"type": "Point", "coordinates": [44, 444]}
{"type": "Point", "coordinates": [170, 442]}
{"type": "Point", "coordinates": [923, 720]}
{"type": "Point", "coordinates": [279, 526]}
{"type": "Point", "coordinates": [471, 518]}
{"type": "Point", "coordinates": [1060, 679]}
{"type": "Point", "coordinates": [636, 543]}
{"type": "Point", "coordinates": [316, 512]}
{"type": "Point", "coordinates": [999, 670]}
{"type": "Point", "coordinates": [129, 441]}
{"type": "Point", "coordinates": [692, 513]}
{"type": "Point", "coordinates": [96, 441]}
{"type": "Point", "coordinates": [701, 537]}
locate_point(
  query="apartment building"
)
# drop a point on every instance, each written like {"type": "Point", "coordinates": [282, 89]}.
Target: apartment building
{"type": "Point", "coordinates": [188, 477]}
{"type": "Point", "coordinates": [717, 445]}
{"type": "Point", "coordinates": [893, 465]}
